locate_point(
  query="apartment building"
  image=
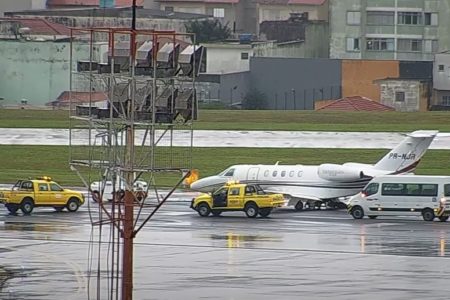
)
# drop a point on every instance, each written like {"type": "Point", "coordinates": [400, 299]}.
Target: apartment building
{"type": "Point", "coordinates": [389, 29]}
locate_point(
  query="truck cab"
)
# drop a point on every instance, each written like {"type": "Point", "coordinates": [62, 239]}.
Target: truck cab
{"type": "Point", "coordinates": [250, 198]}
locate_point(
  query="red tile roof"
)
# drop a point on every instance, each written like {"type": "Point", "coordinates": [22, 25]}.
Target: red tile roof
{"type": "Point", "coordinates": [356, 103]}
{"type": "Point", "coordinates": [118, 3]}
{"type": "Point", "coordinates": [40, 26]}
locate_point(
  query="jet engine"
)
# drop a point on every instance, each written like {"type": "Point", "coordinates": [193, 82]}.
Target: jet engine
{"type": "Point", "coordinates": [335, 172]}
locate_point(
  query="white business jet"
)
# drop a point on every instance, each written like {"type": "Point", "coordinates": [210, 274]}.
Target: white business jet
{"type": "Point", "coordinates": [326, 183]}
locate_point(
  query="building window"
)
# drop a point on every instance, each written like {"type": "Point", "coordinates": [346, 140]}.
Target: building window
{"type": "Point", "coordinates": [353, 17]}
{"type": "Point", "coordinates": [399, 96]}
{"type": "Point", "coordinates": [431, 19]}
{"type": "Point", "coordinates": [441, 68]}
{"type": "Point", "coordinates": [168, 8]}
{"type": "Point", "coordinates": [219, 12]}
{"type": "Point", "coordinates": [409, 45]}
{"type": "Point", "coordinates": [445, 100]}
{"type": "Point", "coordinates": [410, 18]}
{"type": "Point", "coordinates": [380, 44]}
{"type": "Point", "coordinates": [353, 44]}
{"type": "Point", "coordinates": [430, 46]}
{"type": "Point", "coordinates": [244, 55]}
{"type": "Point", "coordinates": [380, 18]}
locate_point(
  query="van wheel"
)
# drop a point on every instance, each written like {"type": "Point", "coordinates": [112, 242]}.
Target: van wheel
{"type": "Point", "coordinates": [73, 204]}
{"type": "Point", "coordinates": [251, 210]}
{"type": "Point", "coordinates": [357, 212]}
{"type": "Point", "coordinates": [265, 212]}
{"type": "Point", "coordinates": [373, 217]}
{"type": "Point", "coordinates": [428, 215]}
{"type": "Point", "coordinates": [203, 210]}
{"type": "Point", "coordinates": [27, 206]}
{"type": "Point", "coordinates": [443, 218]}
{"type": "Point", "coordinates": [299, 205]}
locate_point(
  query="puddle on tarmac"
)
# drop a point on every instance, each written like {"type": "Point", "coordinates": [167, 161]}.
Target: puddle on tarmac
{"type": "Point", "coordinates": [234, 240]}
{"type": "Point", "coordinates": [7, 274]}
{"type": "Point", "coordinates": [36, 227]}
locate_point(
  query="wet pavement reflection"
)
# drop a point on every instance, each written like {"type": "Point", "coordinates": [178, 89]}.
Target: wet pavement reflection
{"type": "Point", "coordinates": [179, 255]}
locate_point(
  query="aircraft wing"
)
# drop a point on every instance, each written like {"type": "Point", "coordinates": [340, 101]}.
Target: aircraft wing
{"type": "Point", "coordinates": [292, 195]}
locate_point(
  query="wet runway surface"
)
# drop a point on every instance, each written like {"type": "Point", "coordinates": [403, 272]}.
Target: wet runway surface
{"type": "Point", "coordinates": [180, 255]}
{"type": "Point", "coordinates": [227, 138]}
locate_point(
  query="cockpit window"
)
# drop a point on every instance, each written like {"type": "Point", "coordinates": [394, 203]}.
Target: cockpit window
{"type": "Point", "coordinates": [228, 172]}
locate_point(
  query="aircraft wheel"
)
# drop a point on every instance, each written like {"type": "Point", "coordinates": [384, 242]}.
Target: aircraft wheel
{"type": "Point", "coordinates": [428, 215]}
{"type": "Point", "coordinates": [317, 205]}
{"type": "Point", "coordinates": [299, 205]}
{"type": "Point", "coordinates": [203, 209]}
{"type": "Point", "coordinates": [251, 210]}
{"type": "Point", "coordinates": [27, 206]}
{"type": "Point", "coordinates": [265, 212]}
{"type": "Point", "coordinates": [357, 212]}
{"type": "Point", "coordinates": [443, 218]}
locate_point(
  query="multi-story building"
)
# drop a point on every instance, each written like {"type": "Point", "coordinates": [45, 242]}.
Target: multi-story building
{"type": "Point", "coordinates": [21, 5]}
{"type": "Point", "coordinates": [389, 29]}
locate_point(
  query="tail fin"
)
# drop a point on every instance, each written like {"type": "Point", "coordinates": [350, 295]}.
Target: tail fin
{"type": "Point", "coordinates": [406, 156]}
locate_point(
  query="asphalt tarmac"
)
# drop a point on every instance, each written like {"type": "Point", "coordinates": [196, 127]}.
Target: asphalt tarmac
{"type": "Point", "coordinates": [179, 255]}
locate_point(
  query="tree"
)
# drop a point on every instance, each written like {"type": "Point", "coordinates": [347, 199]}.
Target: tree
{"type": "Point", "coordinates": [254, 99]}
{"type": "Point", "coordinates": [208, 30]}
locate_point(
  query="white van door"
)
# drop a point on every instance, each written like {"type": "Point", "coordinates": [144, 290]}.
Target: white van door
{"type": "Point", "coordinates": [391, 194]}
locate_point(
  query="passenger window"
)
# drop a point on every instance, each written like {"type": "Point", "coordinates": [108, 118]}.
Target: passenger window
{"type": "Point", "coordinates": [43, 187]}
{"type": "Point", "coordinates": [234, 191]}
{"type": "Point", "coordinates": [371, 189]}
{"type": "Point", "coordinates": [429, 190]}
{"type": "Point", "coordinates": [249, 190]}
{"type": "Point", "coordinates": [413, 189]}
{"type": "Point", "coordinates": [392, 189]}
{"type": "Point", "coordinates": [291, 174]}
{"type": "Point", "coordinates": [27, 185]}
{"type": "Point", "coordinates": [447, 190]}
{"type": "Point", "coordinates": [229, 173]}
{"type": "Point", "coordinates": [55, 188]}
{"type": "Point", "coordinates": [283, 173]}
{"type": "Point", "coordinates": [266, 173]}
{"type": "Point", "coordinates": [274, 174]}
{"type": "Point", "coordinates": [300, 173]}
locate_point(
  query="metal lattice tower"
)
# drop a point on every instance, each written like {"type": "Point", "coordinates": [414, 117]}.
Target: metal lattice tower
{"type": "Point", "coordinates": [133, 102]}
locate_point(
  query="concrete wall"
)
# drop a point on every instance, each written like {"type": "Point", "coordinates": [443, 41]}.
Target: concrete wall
{"type": "Point", "coordinates": [358, 77]}
{"type": "Point", "coordinates": [441, 77]}
{"type": "Point", "coordinates": [35, 71]}
{"type": "Point", "coordinates": [267, 12]}
{"type": "Point", "coordinates": [416, 95]}
{"type": "Point", "coordinates": [16, 5]}
{"type": "Point", "coordinates": [290, 83]}
{"type": "Point", "coordinates": [226, 58]}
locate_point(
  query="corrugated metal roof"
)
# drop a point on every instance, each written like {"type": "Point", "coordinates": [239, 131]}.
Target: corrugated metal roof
{"type": "Point", "coordinates": [356, 103]}
{"type": "Point", "coordinates": [118, 3]}
{"type": "Point", "coordinates": [81, 97]}
{"type": "Point", "coordinates": [40, 26]}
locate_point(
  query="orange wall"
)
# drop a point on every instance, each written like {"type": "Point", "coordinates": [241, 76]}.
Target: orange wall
{"type": "Point", "coordinates": [358, 76]}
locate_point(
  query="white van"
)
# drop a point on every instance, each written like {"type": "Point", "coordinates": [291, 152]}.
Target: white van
{"type": "Point", "coordinates": [394, 195]}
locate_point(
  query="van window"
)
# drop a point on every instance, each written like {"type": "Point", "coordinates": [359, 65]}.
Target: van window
{"type": "Point", "coordinates": [410, 189]}
{"type": "Point", "coordinates": [371, 189]}
{"type": "Point", "coordinates": [447, 190]}
{"type": "Point", "coordinates": [429, 190]}
{"type": "Point", "coordinates": [391, 189]}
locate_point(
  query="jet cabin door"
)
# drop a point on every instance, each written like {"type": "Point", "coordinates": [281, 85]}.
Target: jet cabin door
{"type": "Point", "coordinates": [252, 173]}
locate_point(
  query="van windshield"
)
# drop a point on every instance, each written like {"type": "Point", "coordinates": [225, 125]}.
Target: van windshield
{"type": "Point", "coordinates": [371, 189]}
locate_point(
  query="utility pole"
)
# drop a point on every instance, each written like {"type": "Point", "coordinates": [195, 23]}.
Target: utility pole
{"type": "Point", "coordinates": [128, 218]}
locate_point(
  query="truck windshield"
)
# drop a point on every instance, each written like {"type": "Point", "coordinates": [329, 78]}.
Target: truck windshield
{"type": "Point", "coordinates": [259, 190]}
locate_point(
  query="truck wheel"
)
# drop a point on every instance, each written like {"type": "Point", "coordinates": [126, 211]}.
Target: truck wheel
{"type": "Point", "coordinates": [443, 218]}
{"type": "Point", "coordinates": [428, 215]}
{"type": "Point", "coordinates": [299, 205]}
{"type": "Point", "coordinates": [265, 212]}
{"type": "Point", "coordinates": [357, 212]}
{"type": "Point", "coordinates": [27, 206]}
{"type": "Point", "coordinates": [73, 204]}
{"type": "Point", "coordinates": [12, 208]}
{"type": "Point", "coordinates": [251, 210]}
{"type": "Point", "coordinates": [203, 209]}
{"type": "Point", "coordinates": [216, 213]}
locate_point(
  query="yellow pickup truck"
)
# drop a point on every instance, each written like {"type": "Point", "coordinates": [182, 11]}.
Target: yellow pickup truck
{"type": "Point", "coordinates": [250, 198]}
{"type": "Point", "coordinates": [28, 194]}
